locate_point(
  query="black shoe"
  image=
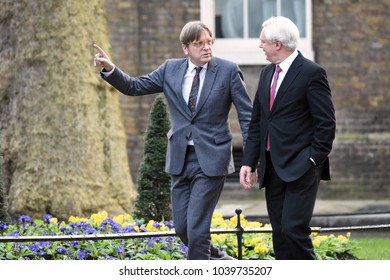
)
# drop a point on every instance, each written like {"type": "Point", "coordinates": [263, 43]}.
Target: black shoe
{"type": "Point", "coordinates": [224, 256]}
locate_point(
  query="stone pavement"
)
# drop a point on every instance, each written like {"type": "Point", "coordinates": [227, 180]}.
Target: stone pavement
{"type": "Point", "coordinates": [327, 213]}
{"type": "Point", "coordinates": [253, 204]}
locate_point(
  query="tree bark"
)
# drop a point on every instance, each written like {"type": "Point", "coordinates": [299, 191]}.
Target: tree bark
{"type": "Point", "coordinates": [61, 132]}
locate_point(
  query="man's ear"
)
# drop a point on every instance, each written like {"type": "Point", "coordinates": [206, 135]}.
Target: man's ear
{"type": "Point", "coordinates": [278, 45]}
{"type": "Point", "coordinates": [185, 48]}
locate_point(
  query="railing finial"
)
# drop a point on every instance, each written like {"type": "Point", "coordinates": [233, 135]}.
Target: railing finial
{"type": "Point", "coordinates": [240, 232]}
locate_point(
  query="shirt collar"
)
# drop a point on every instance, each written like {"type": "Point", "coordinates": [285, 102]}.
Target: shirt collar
{"type": "Point", "coordinates": [285, 64]}
{"type": "Point", "coordinates": [192, 66]}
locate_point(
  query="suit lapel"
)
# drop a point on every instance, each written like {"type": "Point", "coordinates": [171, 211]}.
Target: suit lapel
{"type": "Point", "coordinates": [181, 71]}
{"type": "Point", "coordinates": [209, 79]}
{"type": "Point", "coordinates": [266, 86]}
{"type": "Point", "coordinates": [291, 74]}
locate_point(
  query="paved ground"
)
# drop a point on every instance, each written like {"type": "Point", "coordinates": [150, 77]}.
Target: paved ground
{"type": "Point", "coordinates": [327, 213]}
{"type": "Point", "coordinates": [252, 203]}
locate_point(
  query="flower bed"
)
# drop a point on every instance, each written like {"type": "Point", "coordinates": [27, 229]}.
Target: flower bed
{"type": "Point", "coordinates": [256, 246]}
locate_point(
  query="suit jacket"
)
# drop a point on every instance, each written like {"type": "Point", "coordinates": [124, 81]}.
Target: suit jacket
{"type": "Point", "coordinates": [301, 123]}
{"type": "Point", "coordinates": [209, 126]}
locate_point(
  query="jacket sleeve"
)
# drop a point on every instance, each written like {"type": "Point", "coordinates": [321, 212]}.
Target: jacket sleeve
{"type": "Point", "coordinates": [323, 113]}
{"type": "Point", "coordinates": [241, 101]}
{"type": "Point", "coordinates": [253, 143]}
{"type": "Point", "coordinates": [142, 85]}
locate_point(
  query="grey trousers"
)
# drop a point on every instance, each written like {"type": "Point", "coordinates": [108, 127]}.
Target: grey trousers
{"type": "Point", "coordinates": [194, 197]}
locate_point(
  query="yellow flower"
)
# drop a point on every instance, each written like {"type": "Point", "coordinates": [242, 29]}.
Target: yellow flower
{"type": "Point", "coordinates": [96, 219]}
{"type": "Point", "coordinates": [256, 241]}
{"type": "Point", "coordinates": [233, 220]}
{"type": "Point", "coordinates": [218, 238]}
{"type": "Point", "coordinates": [73, 219]}
{"type": "Point", "coordinates": [163, 228]}
{"type": "Point", "coordinates": [316, 243]}
{"type": "Point", "coordinates": [321, 238]}
{"type": "Point", "coordinates": [254, 225]}
{"type": "Point", "coordinates": [54, 220]}
{"type": "Point", "coordinates": [261, 249]}
{"type": "Point", "coordinates": [235, 252]}
{"type": "Point", "coordinates": [217, 215]}
{"type": "Point", "coordinates": [247, 242]}
{"type": "Point", "coordinates": [150, 226]}
{"type": "Point", "coordinates": [218, 222]}
{"type": "Point", "coordinates": [102, 214]}
{"type": "Point", "coordinates": [118, 219]}
{"type": "Point", "coordinates": [122, 218]}
{"type": "Point", "coordinates": [342, 238]}
{"type": "Point", "coordinates": [317, 240]}
{"type": "Point", "coordinates": [99, 217]}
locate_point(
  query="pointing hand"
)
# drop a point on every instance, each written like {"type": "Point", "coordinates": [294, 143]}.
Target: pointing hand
{"type": "Point", "coordinates": [101, 59]}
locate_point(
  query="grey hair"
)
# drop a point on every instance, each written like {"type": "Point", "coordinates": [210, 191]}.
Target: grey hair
{"type": "Point", "coordinates": [192, 31]}
{"type": "Point", "coordinates": [283, 30]}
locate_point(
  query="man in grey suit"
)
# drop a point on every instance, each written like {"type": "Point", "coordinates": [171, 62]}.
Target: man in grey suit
{"type": "Point", "coordinates": [291, 132]}
{"type": "Point", "coordinates": [200, 91]}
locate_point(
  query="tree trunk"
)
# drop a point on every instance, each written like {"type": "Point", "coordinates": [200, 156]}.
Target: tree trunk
{"type": "Point", "coordinates": [61, 132]}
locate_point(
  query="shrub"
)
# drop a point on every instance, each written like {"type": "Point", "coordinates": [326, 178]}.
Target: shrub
{"type": "Point", "coordinates": [153, 200]}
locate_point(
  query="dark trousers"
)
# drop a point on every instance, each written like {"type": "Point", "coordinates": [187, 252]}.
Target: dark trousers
{"type": "Point", "coordinates": [290, 208]}
{"type": "Point", "coordinates": [194, 198]}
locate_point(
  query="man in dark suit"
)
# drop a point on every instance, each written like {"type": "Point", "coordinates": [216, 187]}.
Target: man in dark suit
{"type": "Point", "coordinates": [200, 91]}
{"type": "Point", "coordinates": [291, 134]}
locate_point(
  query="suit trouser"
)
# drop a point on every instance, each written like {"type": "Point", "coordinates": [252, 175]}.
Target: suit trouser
{"type": "Point", "coordinates": [290, 207]}
{"type": "Point", "coordinates": [194, 198]}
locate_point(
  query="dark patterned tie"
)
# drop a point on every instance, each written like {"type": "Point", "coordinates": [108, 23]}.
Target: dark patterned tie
{"type": "Point", "coordinates": [194, 90]}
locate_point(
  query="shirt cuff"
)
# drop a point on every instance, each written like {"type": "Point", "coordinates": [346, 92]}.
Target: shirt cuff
{"type": "Point", "coordinates": [312, 160]}
{"type": "Point", "coordinates": [106, 73]}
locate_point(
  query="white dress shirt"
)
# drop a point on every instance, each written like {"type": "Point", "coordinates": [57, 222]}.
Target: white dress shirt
{"type": "Point", "coordinates": [187, 84]}
{"type": "Point", "coordinates": [284, 65]}
{"type": "Point", "coordinates": [189, 76]}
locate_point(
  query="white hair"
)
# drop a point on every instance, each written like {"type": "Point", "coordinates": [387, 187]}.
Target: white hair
{"type": "Point", "coordinates": [283, 30]}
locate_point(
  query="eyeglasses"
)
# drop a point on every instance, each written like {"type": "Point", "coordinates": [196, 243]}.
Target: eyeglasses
{"type": "Point", "coordinates": [201, 44]}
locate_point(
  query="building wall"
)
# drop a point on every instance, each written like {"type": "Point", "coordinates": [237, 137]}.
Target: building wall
{"type": "Point", "coordinates": [143, 34]}
{"type": "Point", "coordinates": [351, 41]}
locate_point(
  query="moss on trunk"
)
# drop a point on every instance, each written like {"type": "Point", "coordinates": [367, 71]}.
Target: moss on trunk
{"type": "Point", "coordinates": [61, 131]}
